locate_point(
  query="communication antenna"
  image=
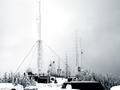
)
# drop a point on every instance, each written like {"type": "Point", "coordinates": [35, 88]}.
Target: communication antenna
{"type": "Point", "coordinates": [66, 66]}
{"type": "Point", "coordinates": [39, 39]}
{"type": "Point", "coordinates": [76, 48]}
{"type": "Point", "coordinates": [78, 54]}
{"type": "Point", "coordinates": [81, 52]}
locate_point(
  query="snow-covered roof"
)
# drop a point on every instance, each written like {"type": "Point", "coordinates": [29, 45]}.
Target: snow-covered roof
{"type": "Point", "coordinates": [83, 82]}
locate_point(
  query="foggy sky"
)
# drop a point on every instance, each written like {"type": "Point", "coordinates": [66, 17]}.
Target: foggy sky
{"type": "Point", "coordinates": [97, 23]}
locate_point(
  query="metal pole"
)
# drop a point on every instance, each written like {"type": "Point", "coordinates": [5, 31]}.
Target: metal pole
{"type": "Point", "coordinates": [66, 66]}
{"type": "Point", "coordinates": [39, 38]}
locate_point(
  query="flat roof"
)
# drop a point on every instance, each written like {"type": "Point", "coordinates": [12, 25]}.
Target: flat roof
{"type": "Point", "coordinates": [82, 82]}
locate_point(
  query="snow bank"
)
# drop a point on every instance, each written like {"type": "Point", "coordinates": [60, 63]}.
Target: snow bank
{"type": "Point", "coordinates": [9, 86]}
{"type": "Point", "coordinates": [31, 88]}
{"type": "Point", "coordinates": [6, 85]}
{"type": "Point", "coordinates": [115, 88]}
{"type": "Point", "coordinates": [61, 80]}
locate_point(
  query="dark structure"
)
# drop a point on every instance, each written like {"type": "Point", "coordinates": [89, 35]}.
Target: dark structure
{"type": "Point", "coordinates": [84, 85]}
{"type": "Point", "coordinates": [42, 79]}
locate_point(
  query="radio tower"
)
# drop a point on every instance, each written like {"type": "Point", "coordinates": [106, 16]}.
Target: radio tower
{"type": "Point", "coordinates": [39, 62]}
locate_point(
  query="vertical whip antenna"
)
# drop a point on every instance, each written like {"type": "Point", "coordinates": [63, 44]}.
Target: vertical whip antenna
{"type": "Point", "coordinates": [76, 48]}
{"type": "Point", "coordinates": [81, 52]}
{"type": "Point", "coordinates": [66, 66]}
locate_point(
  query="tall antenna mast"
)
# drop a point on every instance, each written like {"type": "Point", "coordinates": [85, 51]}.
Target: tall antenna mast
{"type": "Point", "coordinates": [81, 52]}
{"type": "Point", "coordinates": [59, 69]}
{"type": "Point", "coordinates": [77, 53]}
{"type": "Point", "coordinates": [76, 48]}
{"type": "Point", "coordinates": [39, 38]}
{"type": "Point", "coordinates": [39, 20]}
{"type": "Point", "coordinates": [66, 66]}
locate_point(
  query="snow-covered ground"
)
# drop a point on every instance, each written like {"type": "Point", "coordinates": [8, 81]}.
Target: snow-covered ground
{"type": "Point", "coordinates": [59, 83]}
{"type": "Point", "coordinates": [52, 86]}
{"type": "Point", "coordinates": [10, 86]}
{"type": "Point", "coordinates": [39, 86]}
{"type": "Point", "coordinates": [115, 87]}
{"type": "Point", "coordinates": [61, 80]}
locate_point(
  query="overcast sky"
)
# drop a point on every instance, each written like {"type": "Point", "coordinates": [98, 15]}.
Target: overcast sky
{"type": "Point", "coordinates": [96, 21]}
